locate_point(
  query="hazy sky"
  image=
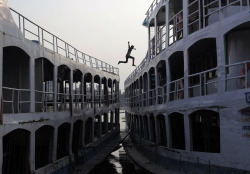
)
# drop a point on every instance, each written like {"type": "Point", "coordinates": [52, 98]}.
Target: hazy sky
{"type": "Point", "coordinates": [100, 28]}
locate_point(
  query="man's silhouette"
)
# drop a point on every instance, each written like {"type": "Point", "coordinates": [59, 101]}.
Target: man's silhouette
{"type": "Point", "coordinates": [130, 48]}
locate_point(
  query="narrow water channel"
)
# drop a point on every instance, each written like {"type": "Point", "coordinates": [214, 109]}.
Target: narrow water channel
{"type": "Point", "coordinates": [118, 162]}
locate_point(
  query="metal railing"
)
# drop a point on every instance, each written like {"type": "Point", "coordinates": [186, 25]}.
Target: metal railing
{"type": "Point", "coordinates": [176, 91]}
{"type": "Point", "coordinates": [48, 40]}
{"type": "Point", "coordinates": [44, 101]}
{"type": "Point", "coordinates": [175, 30]}
{"type": "Point", "coordinates": [205, 83]}
{"type": "Point", "coordinates": [63, 101]}
{"type": "Point", "coordinates": [17, 98]}
{"type": "Point", "coordinates": [152, 7]}
{"type": "Point", "coordinates": [237, 76]}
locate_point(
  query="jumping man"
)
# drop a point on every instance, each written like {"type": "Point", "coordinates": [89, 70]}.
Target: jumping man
{"type": "Point", "coordinates": [130, 48]}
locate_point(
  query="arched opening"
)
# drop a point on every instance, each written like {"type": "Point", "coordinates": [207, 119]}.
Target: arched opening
{"type": "Point", "coordinates": [175, 21]}
{"type": "Point", "coordinates": [237, 57]}
{"type": "Point", "coordinates": [152, 85]}
{"type": "Point", "coordinates": [63, 88]}
{"type": "Point", "coordinates": [77, 139]}
{"type": "Point", "coordinates": [176, 68]}
{"type": "Point", "coordinates": [44, 85]}
{"type": "Point", "coordinates": [44, 146]}
{"type": "Point", "coordinates": [97, 91]}
{"type": "Point", "coordinates": [161, 29]}
{"type": "Point", "coordinates": [16, 156]}
{"type": "Point", "coordinates": [16, 81]}
{"type": "Point", "coordinates": [205, 131]}
{"type": "Point", "coordinates": [88, 131]}
{"type": "Point", "coordinates": [162, 82]}
{"type": "Point", "coordinates": [203, 68]}
{"type": "Point", "coordinates": [63, 140]}
{"type": "Point", "coordinates": [88, 90]}
{"type": "Point", "coordinates": [177, 131]}
{"type": "Point", "coordinates": [77, 90]}
{"type": "Point", "coordinates": [161, 128]}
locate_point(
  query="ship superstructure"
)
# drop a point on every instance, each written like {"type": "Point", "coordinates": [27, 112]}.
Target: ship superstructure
{"type": "Point", "coordinates": [59, 106]}
{"type": "Point", "coordinates": [187, 103]}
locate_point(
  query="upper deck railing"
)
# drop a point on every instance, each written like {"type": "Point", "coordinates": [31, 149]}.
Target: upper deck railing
{"type": "Point", "coordinates": [48, 40]}
{"type": "Point", "coordinates": [152, 7]}
{"type": "Point", "coordinates": [200, 15]}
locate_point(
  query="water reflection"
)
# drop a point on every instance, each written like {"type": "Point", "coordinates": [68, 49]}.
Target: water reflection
{"type": "Point", "coordinates": [118, 162]}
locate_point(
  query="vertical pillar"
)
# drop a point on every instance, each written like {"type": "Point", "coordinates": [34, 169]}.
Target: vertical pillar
{"type": "Point", "coordinates": [71, 91]}
{"type": "Point", "coordinates": [32, 150]}
{"type": "Point", "coordinates": [82, 89]}
{"type": "Point", "coordinates": [2, 38]}
{"type": "Point", "coordinates": [92, 91]}
{"type": "Point", "coordinates": [100, 91]}
{"type": "Point", "coordinates": [150, 129]}
{"type": "Point", "coordinates": [185, 18]}
{"type": "Point", "coordinates": [70, 141]}
{"type": "Point", "coordinates": [167, 26]}
{"type": "Point", "coordinates": [168, 131]}
{"type": "Point", "coordinates": [111, 120]}
{"type": "Point", "coordinates": [156, 37]}
{"type": "Point", "coordinates": [168, 80]}
{"type": "Point", "coordinates": [187, 132]}
{"type": "Point", "coordinates": [149, 88]}
{"type": "Point", "coordinates": [112, 98]}
{"type": "Point", "coordinates": [186, 71]}
{"type": "Point", "coordinates": [149, 45]}
{"type": "Point", "coordinates": [221, 63]}
{"type": "Point", "coordinates": [99, 134]}
{"type": "Point", "coordinates": [54, 154]}
{"type": "Point", "coordinates": [106, 122]}
{"type": "Point", "coordinates": [32, 84]}
{"type": "Point", "coordinates": [156, 86]}
{"type": "Point", "coordinates": [92, 131]}
{"type": "Point", "coordinates": [55, 87]}
{"type": "Point", "coordinates": [83, 132]}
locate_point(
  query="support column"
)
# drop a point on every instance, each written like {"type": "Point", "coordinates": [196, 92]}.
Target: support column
{"type": "Point", "coordinates": [187, 132]}
{"type": "Point", "coordinates": [2, 38]}
{"type": "Point", "coordinates": [54, 157]}
{"type": "Point", "coordinates": [70, 142]}
{"type": "Point", "coordinates": [32, 150]}
{"type": "Point", "coordinates": [186, 84]}
{"type": "Point", "coordinates": [92, 92]}
{"type": "Point", "coordinates": [167, 26]}
{"type": "Point", "coordinates": [111, 120]}
{"type": "Point", "coordinates": [32, 84]}
{"type": "Point", "coordinates": [150, 133]}
{"type": "Point", "coordinates": [55, 87]}
{"type": "Point", "coordinates": [71, 92]}
{"type": "Point", "coordinates": [185, 18]}
{"type": "Point", "coordinates": [221, 64]}
{"type": "Point", "coordinates": [168, 131]}
{"type": "Point", "coordinates": [156, 86]}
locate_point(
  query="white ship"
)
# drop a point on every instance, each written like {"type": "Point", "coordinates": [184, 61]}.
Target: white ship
{"type": "Point", "coordinates": [188, 102]}
{"type": "Point", "coordinates": [59, 106]}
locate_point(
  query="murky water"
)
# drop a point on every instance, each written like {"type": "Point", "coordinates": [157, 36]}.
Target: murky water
{"type": "Point", "coordinates": [118, 162]}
